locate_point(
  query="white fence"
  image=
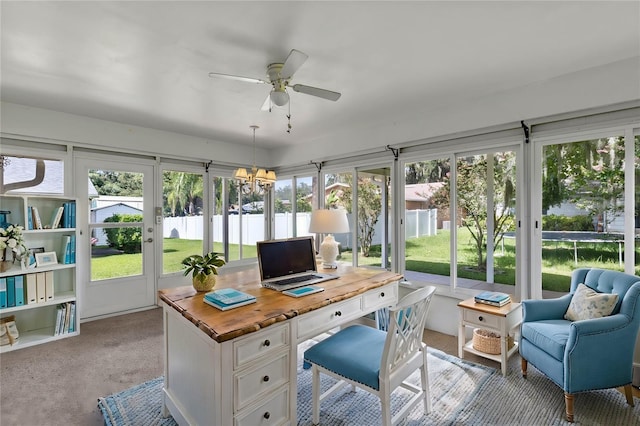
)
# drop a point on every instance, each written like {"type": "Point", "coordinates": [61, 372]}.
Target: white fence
{"type": "Point", "coordinates": [418, 223]}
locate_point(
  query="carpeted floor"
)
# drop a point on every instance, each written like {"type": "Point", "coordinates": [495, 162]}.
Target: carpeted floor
{"type": "Point", "coordinates": [463, 393]}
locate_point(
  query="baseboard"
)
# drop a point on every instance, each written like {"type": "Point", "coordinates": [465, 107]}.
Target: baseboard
{"type": "Point", "coordinates": [636, 375]}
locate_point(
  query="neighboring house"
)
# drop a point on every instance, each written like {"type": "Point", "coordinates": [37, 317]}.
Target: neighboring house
{"type": "Point", "coordinates": [99, 214]}
{"type": "Point", "coordinates": [417, 196]}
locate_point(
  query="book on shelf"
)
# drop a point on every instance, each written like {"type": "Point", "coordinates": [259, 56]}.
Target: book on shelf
{"type": "Point", "coordinates": [65, 318]}
{"type": "Point", "coordinates": [73, 248]}
{"type": "Point", "coordinates": [228, 296]}
{"type": "Point", "coordinates": [29, 217]}
{"type": "Point", "coordinates": [66, 249]}
{"type": "Point", "coordinates": [493, 298]}
{"type": "Point", "coordinates": [56, 217]}
{"type": "Point", "coordinates": [19, 283]}
{"type": "Point", "coordinates": [3, 292]}
{"type": "Point", "coordinates": [37, 223]}
{"type": "Point", "coordinates": [69, 215]}
{"type": "Point", "coordinates": [11, 292]}
{"type": "Point", "coordinates": [234, 299]}
{"type": "Point", "coordinates": [58, 327]}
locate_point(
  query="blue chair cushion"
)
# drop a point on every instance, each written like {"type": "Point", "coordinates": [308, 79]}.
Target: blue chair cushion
{"type": "Point", "coordinates": [549, 335]}
{"type": "Point", "coordinates": [354, 352]}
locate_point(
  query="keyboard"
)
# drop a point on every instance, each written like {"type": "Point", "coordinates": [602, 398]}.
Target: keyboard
{"type": "Point", "coordinates": [295, 280]}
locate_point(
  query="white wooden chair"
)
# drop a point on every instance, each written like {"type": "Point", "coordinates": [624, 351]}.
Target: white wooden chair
{"type": "Point", "coordinates": [378, 361]}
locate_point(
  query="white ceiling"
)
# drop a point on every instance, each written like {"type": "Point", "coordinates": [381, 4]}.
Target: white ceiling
{"type": "Point", "coordinates": [147, 63]}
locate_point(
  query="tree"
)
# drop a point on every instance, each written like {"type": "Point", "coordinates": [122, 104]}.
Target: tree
{"type": "Point", "coordinates": [183, 193]}
{"type": "Point", "coordinates": [369, 205]}
{"type": "Point", "coordinates": [108, 182]}
{"type": "Point", "coordinates": [593, 173]}
{"type": "Point", "coordinates": [472, 199]}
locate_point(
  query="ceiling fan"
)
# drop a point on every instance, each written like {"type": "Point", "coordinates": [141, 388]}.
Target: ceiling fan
{"type": "Point", "coordinates": [280, 75]}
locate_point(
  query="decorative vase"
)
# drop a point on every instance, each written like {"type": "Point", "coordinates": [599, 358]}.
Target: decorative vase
{"type": "Point", "coordinates": [205, 285]}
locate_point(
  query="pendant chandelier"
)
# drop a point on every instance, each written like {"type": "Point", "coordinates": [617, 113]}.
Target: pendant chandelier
{"type": "Point", "coordinates": [257, 180]}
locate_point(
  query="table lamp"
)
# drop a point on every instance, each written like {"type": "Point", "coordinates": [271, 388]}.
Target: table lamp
{"type": "Point", "coordinates": [329, 222]}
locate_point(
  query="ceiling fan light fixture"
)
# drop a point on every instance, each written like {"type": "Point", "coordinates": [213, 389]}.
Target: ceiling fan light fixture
{"type": "Point", "coordinates": [279, 98]}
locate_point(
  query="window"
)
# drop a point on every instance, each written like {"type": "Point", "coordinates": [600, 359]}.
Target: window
{"type": "Point", "coordinates": [183, 220]}
{"type": "Point", "coordinates": [582, 208]}
{"type": "Point", "coordinates": [32, 175]}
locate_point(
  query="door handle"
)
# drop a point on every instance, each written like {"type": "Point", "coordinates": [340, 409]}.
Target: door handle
{"type": "Point", "coordinates": [148, 240]}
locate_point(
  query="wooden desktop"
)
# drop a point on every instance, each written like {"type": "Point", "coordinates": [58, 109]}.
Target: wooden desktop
{"type": "Point", "coordinates": [238, 367]}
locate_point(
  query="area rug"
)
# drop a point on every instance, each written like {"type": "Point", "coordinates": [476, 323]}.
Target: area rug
{"type": "Point", "coordinates": [463, 393]}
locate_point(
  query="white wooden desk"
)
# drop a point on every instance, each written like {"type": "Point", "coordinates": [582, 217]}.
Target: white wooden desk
{"type": "Point", "coordinates": [238, 367]}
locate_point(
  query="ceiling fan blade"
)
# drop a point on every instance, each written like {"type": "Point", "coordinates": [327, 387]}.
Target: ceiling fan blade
{"type": "Point", "coordinates": [314, 91]}
{"type": "Point", "coordinates": [294, 61]}
{"type": "Point", "coordinates": [237, 78]}
{"type": "Point", "coordinates": [266, 106]}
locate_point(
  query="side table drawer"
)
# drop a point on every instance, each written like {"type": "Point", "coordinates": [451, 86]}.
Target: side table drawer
{"type": "Point", "coordinates": [314, 323]}
{"type": "Point", "coordinates": [380, 297]}
{"type": "Point", "coordinates": [274, 411]}
{"type": "Point", "coordinates": [480, 319]}
{"type": "Point", "coordinates": [266, 341]}
{"type": "Point", "coordinates": [251, 384]}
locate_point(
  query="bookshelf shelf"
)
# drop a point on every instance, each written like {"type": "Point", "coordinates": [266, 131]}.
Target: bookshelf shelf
{"type": "Point", "coordinates": [44, 288]}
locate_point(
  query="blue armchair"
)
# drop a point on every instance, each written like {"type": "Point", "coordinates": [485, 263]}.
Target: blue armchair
{"type": "Point", "coordinates": [588, 354]}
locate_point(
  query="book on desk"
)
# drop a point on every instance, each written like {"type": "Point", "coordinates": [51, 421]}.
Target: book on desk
{"type": "Point", "coordinates": [492, 298]}
{"type": "Point", "coordinates": [228, 298]}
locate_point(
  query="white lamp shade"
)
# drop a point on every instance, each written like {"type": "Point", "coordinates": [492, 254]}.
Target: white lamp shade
{"type": "Point", "coordinates": [329, 221]}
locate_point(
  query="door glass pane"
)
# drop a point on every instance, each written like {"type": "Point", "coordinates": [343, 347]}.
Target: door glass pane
{"type": "Point", "coordinates": [115, 223]}
{"type": "Point", "coordinates": [182, 218]}
{"type": "Point", "coordinates": [427, 221]}
{"type": "Point", "coordinates": [582, 209]}
{"type": "Point", "coordinates": [218, 206]}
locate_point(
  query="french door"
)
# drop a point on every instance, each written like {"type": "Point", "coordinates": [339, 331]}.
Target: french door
{"type": "Point", "coordinates": [116, 267]}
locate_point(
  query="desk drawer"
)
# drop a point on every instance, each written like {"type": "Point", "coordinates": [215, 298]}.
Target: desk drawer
{"type": "Point", "coordinates": [313, 323]}
{"type": "Point", "coordinates": [480, 319]}
{"type": "Point", "coordinates": [380, 297]}
{"type": "Point", "coordinates": [260, 344]}
{"type": "Point", "coordinates": [260, 381]}
{"type": "Point", "coordinates": [274, 411]}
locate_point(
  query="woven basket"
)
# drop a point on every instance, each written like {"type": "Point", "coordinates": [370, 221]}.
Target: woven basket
{"type": "Point", "coordinates": [486, 341]}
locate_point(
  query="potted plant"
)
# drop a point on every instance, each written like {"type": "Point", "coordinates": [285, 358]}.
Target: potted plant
{"type": "Point", "coordinates": [204, 269]}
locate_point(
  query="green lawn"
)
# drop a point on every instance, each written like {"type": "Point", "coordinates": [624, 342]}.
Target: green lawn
{"type": "Point", "coordinates": [431, 254]}
{"type": "Point", "coordinates": [425, 254]}
{"type": "Point", "coordinates": [122, 265]}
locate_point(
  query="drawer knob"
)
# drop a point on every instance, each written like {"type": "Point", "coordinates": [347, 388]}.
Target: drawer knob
{"type": "Point", "coordinates": [267, 342]}
{"type": "Point", "coordinates": [265, 379]}
{"type": "Point", "coordinates": [382, 294]}
{"type": "Point", "coordinates": [338, 313]}
{"type": "Point", "coordinates": [480, 318]}
{"type": "Point", "coordinates": [266, 415]}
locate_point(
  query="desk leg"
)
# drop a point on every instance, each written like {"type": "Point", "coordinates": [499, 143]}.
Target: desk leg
{"type": "Point", "coordinates": [461, 338]}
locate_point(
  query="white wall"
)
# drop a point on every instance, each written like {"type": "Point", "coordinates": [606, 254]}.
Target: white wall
{"type": "Point", "coordinates": [23, 121]}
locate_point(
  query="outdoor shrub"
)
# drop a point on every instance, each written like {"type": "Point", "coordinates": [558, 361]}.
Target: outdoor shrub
{"type": "Point", "coordinates": [554, 222]}
{"type": "Point", "coordinates": [128, 240]}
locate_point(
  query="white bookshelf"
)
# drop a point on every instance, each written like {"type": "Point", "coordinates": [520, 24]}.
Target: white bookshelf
{"type": "Point", "coordinates": [36, 321]}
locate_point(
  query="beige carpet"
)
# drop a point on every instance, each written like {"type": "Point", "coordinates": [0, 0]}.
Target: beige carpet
{"type": "Point", "coordinates": [59, 383]}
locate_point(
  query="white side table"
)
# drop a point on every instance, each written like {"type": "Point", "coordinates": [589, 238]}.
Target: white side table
{"type": "Point", "coordinates": [503, 320]}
